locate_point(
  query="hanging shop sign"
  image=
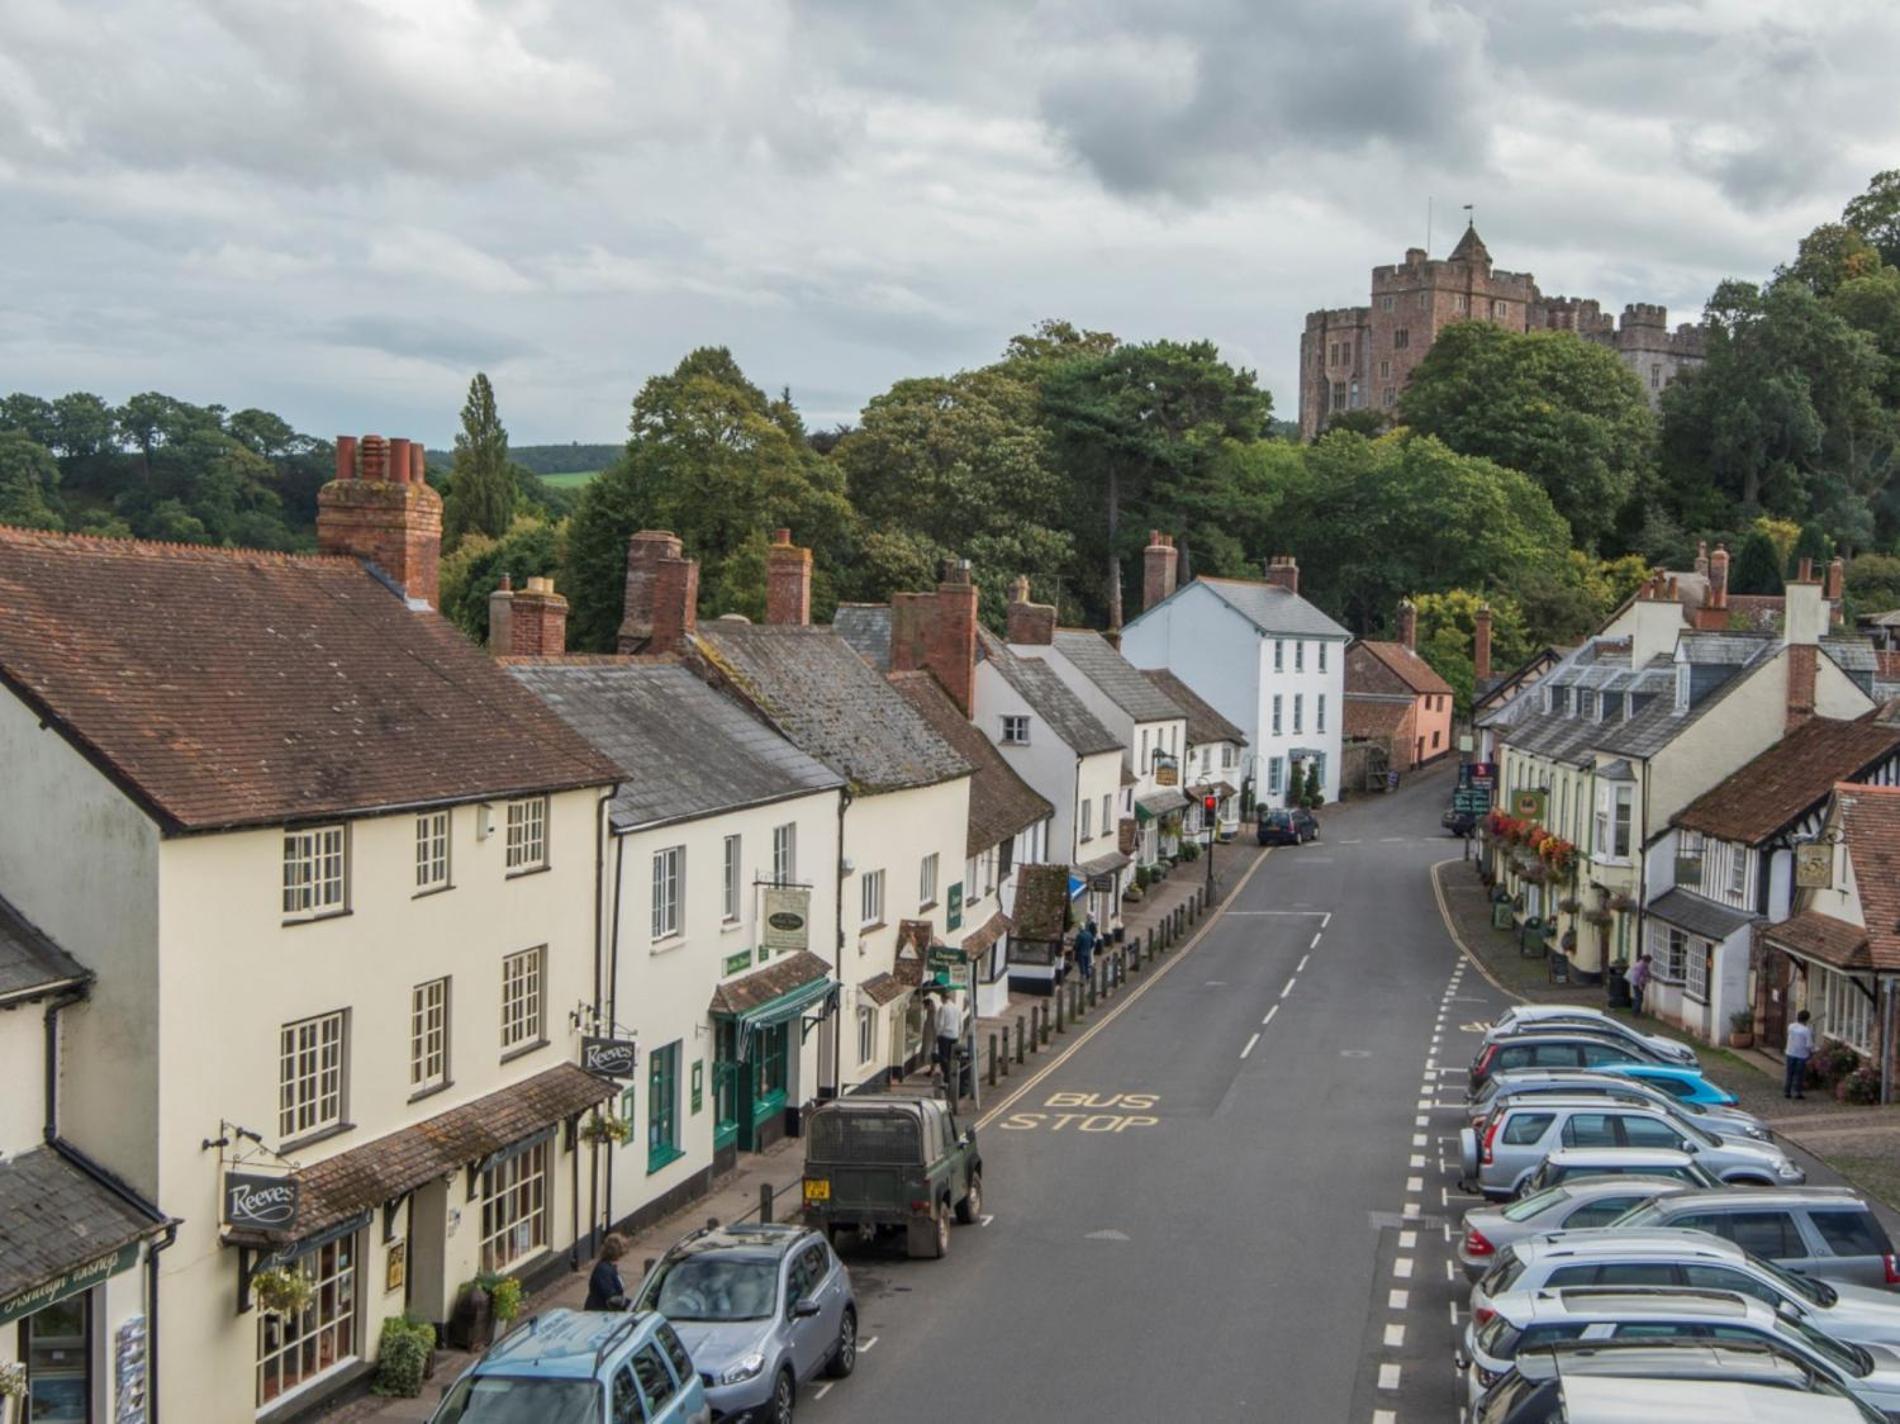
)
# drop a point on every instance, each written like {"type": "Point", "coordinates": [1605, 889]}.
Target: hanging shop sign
{"type": "Point", "coordinates": [1528, 804]}
{"type": "Point", "coordinates": [1814, 866]}
{"type": "Point", "coordinates": [1167, 770]}
{"type": "Point", "coordinates": [609, 1057]}
{"type": "Point", "coordinates": [255, 1202]}
{"type": "Point", "coordinates": [786, 923]}
{"type": "Point", "coordinates": [953, 913]}
{"type": "Point", "coordinates": [942, 958]}
{"type": "Point", "coordinates": [68, 1284]}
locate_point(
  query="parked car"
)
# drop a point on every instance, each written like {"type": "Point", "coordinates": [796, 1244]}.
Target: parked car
{"type": "Point", "coordinates": [878, 1161]}
{"type": "Point", "coordinates": [1829, 1232]}
{"type": "Point", "coordinates": [1573, 1206]}
{"type": "Point", "coordinates": [1572, 1164]}
{"type": "Point", "coordinates": [1520, 1132]}
{"type": "Point", "coordinates": [1686, 1085]}
{"type": "Point", "coordinates": [580, 1367]}
{"type": "Point", "coordinates": [1692, 1259]}
{"type": "Point", "coordinates": [762, 1308]}
{"type": "Point", "coordinates": [1286, 825]}
{"type": "Point", "coordinates": [1542, 1336]}
{"type": "Point", "coordinates": [1552, 1047]}
{"type": "Point", "coordinates": [1459, 823]}
{"type": "Point", "coordinates": [1686, 1381]}
{"type": "Point", "coordinates": [1534, 1018]}
{"type": "Point", "coordinates": [1720, 1121]}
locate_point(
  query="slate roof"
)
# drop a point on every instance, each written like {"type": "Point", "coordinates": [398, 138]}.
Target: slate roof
{"type": "Point", "coordinates": [1121, 681]}
{"type": "Point", "coordinates": [689, 750]}
{"type": "Point", "coordinates": [867, 628]}
{"type": "Point", "coordinates": [1160, 802]}
{"type": "Point", "coordinates": [1049, 698]}
{"type": "Point", "coordinates": [228, 687]}
{"type": "Point", "coordinates": [774, 981]}
{"type": "Point", "coordinates": [1041, 911]}
{"type": "Point", "coordinates": [1408, 667]}
{"type": "Point", "coordinates": [1272, 609]}
{"type": "Point", "coordinates": [1659, 724]}
{"type": "Point", "coordinates": [1104, 864]}
{"type": "Point", "coordinates": [31, 965]}
{"type": "Point", "coordinates": [1870, 818]}
{"type": "Point", "coordinates": [1790, 778]}
{"type": "Point", "coordinates": [831, 704]}
{"type": "Point", "coordinates": [338, 1187]}
{"type": "Point", "coordinates": [1688, 911]}
{"type": "Point", "coordinates": [55, 1217]}
{"type": "Point", "coordinates": [1001, 802]}
{"type": "Point", "coordinates": [1204, 724]}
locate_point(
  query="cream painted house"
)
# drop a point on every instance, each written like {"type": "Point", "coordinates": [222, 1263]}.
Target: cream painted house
{"type": "Point", "coordinates": [335, 874]}
{"type": "Point", "coordinates": [721, 825]}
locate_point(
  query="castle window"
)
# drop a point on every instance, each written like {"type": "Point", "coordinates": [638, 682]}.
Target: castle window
{"type": "Point", "coordinates": [1655, 376]}
{"type": "Point", "coordinates": [1424, 300]}
{"type": "Point", "coordinates": [1355, 395]}
{"type": "Point", "coordinates": [1385, 304]}
{"type": "Point", "coordinates": [1390, 398]}
{"type": "Point", "coordinates": [1401, 339]}
{"type": "Point", "coordinates": [1385, 370]}
{"type": "Point", "coordinates": [1339, 396]}
{"type": "Point", "coordinates": [1461, 301]}
{"type": "Point", "coordinates": [1498, 310]}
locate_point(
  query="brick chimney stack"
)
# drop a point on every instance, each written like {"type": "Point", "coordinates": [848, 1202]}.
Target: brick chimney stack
{"type": "Point", "coordinates": [1835, 590]}
{"type": "Point", "coordinates": [1029, 623]}
{"type": "Point", "coordinates": [384, 514]}
{"type": "Point", "coordinates": [787, 581]}
{"type": "Point", "coordinates": [501, 614]}
{"type": "Point", "coordinates": [1481, 644]}
{"type": "Point", "coordinates": [1284, 570]}
{"type": "Point", "coordinates": [1408, 625]}
{"type": "Point", "coordinates": [1718, 578]}
{"type": "Point", "coordinates": [1157, 568]}
{"type": "Point", "coordinates": [1804, 621]}
{"type": "Point", "coordinates": [910, 627]}
{"type": "Point", "coordinates": [645, 551]}
{"type": "Point", "coordinates": [1702, 557]}
{"type": "Point", "coordinates": [950, 638]}
{"type": "Point", "coordinates": [538, 621]}
{"type": "Point", "coordinates": [675, 604]}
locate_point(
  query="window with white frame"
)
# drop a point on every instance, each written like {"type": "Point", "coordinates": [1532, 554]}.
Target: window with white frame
{"type": "Point", "coordinates": [432, 851]}
{"type": "Point", "coordinates": [1085, 831]}
{"type": "Point", "coordinates": [316, 872]}
{"type": "Point", "coordinates": [729, 885]}
{"type": "Point", "coordinates": [785, 853]}
{"type": "Point", "coordinates": [310, 1056]}
{"type": "Point", "coordinates": [1226, 756]}
{"type": "Point", "coordinates": [521, 997]}
{"type": "Point", "coordinates": [1737, 871]}
{"type": "Point", "coordinates": [973, 880]}
{"type": "Point", "coordinates": [867, 1034]}
{"type": "Point", "coordinates": [1668, 952]}
{"type": "Point", "coordinates": [1299, 655]}
{"type": "Point", "coordinates": [527, 834]}
{"type": "Point", "coordinates": [871, 898]}
{"type": "Point", "coordinates": [1015, 731]}
{"type": "Point", "coordinates": [294, 1349]}
{"type": "Point", "coordinates": [1299, 712]}
{"type": "Point", "coordinates": [429, 1035]}
{"type": "Point", "coordinates": [669, 871]}
{"type": "Point", "coordinates": [927, 881]}
{"type": "Point", "coordinates": [1274, 772]}
{"type": "Point", "coordinates": [1695, 970]}
{"type": "Point", "coordinates": [1108, 814]}
{"type": "Point", "coordinates": [1279, 655]}
{"type": "Point", "coordinates": [515, 1208]}
{"type": "Point", "coordinates": [1322, 656]}
{"type": "Point", "coordinates": [1319, 714]}
{"type": "Point", "coordinates": [1276, 714]}
{"type": "Point", "coordinates": [1615, 803]}
{"type": "Point", "coordinates": [989, 868]}
{"type": "Point", "coordinates": [1846, 1013]}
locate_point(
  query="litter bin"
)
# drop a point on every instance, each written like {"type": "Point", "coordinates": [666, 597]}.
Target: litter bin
{"type": "Point", "coordinates": [1616, 985]}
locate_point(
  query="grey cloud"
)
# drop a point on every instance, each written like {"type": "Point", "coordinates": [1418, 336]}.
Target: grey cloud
{"type": "Point", "coordinates": [443, 340]}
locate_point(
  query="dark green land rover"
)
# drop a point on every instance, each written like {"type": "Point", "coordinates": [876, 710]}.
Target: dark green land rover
{"type": "Point", "coordinates": [881, 1161]}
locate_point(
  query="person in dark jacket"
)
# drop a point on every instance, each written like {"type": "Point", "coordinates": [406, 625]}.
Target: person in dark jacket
{"type": "Point", "coordinates": [605, 1290]}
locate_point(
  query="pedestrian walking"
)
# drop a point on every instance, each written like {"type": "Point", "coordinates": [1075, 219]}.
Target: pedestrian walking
{"type": "Point", "coordinates": [605, 1289]}
{"type": "Point", "coordinates": [949, 1030]}
{"type": "Point", "coordinates": [1085, 940]}
{"type": "Point", "coordinates": [1799, 1049]}
{"type": "Point", "coordinates": [1639, 982]}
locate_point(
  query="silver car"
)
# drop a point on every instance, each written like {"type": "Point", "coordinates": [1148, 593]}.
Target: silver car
{"type": "Point", "coordinates": [1692, 1259]}
{"type": "Point", "coordinates": [1718, 1121]}
{"type": "Point", "coordinates": [761, 1309]}
{"type": "Point", "coordinates": [1520, 1133]}
{"type": "Point", "coordinates": [1522, 1018]}
{"type": "Point", "coordinates": [1828, 1232]}
{"type": "Point", "coordinates": [1571, 1206]}
{"type": "Point", "coordinates": [1575, 1164]}
{"type": "Point", "coordinates": [1529, 1320]}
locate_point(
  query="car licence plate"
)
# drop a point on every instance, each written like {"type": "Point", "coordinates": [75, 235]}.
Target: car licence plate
{"type": "Point", "coordinates": [817, 1189]}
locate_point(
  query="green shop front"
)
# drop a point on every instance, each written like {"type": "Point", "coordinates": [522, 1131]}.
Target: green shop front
{"type": "Point", "coordinates": [761, 1021]}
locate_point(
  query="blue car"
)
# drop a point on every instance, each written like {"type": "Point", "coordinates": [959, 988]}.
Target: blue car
{"type": "Point", "coordinates": [1685, 1085]}
{"type": "Point", "coordinates": [575, 1367]}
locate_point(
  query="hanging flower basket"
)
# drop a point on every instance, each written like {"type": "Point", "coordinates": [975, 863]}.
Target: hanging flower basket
{"type": "Point", "coordinates": [605, 1127]}
{"type": "Point", "coordinates": [1622, 903]}
{"type": "Point", "coordinates": [1569, 941]}
{"type": "Point", "coordinates": [1536, 872]}
{"type": "Point", "coordinates": [13, 1381]}
{"type": "Point", "coordinates": [1570, 904]}
{"type": "Point", "coordinates": [281, 1291]}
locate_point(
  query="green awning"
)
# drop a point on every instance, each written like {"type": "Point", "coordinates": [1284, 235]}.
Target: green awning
{"type": "Point", "coordinates": [781, 1010]}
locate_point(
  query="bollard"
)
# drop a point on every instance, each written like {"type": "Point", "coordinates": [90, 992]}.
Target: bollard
{"type": "Point", "coordinates": [1019, 1038]}
{"type": "Point", "coordinates": [765, 1202]}
{"type": "Point", "coordinates": [992, 1060]}
{"type": "Point", "coordinates": [1136, 942]}
{"type": "Point", "coordinates": [1042, 1036]}
{"type": "Point", "coordinates": [1094, 984]}
{"type": "Point", "coordinates": [1062, 992]}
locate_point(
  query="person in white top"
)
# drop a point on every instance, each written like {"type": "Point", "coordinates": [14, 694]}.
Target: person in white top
{"type": "Point", "coordinates": [1799, 1049]}
{"type": "Point", "coordinates": [949, 1030]}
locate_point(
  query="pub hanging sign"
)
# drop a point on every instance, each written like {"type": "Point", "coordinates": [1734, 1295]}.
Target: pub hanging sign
{"type": "Point", "coordinates": [609, 1057]}
{"type": "Point", "coordinates": [785, 926]}
{"type": "Point", "coordinates": [254, 1202]}
{"type": "Point", "coordinates": [1167, 770]}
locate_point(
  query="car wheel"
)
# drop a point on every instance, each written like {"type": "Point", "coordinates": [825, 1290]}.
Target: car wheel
{"type": "Point", "coordinates": [971, 1207]}
{"type": "Point", "coordinates": [929, 1239]}
{"type": "Point", "coordinates": [844, 1355]}
{"type": "Point", "coordinates": [783, 1399]}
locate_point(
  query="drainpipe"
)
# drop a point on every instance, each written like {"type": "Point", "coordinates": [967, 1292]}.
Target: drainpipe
{"type": "Point", "coordinates": [1886, 1042]}
{"type": "Point", "coordinates": [613, 990]}
{"type": "Point", "coordinates": [50, 1129]}
{"type": "Point", "coordinates": [837, 1035]}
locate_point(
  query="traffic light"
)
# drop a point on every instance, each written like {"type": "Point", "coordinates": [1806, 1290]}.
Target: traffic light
{"type": "Point", "coordinates": [1210, 804]}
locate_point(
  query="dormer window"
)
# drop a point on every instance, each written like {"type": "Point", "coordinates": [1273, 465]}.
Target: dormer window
{"type": "Point", "coordinates": [1549, 697]}
{"type": "Point", "coordinates": [1587, 704]}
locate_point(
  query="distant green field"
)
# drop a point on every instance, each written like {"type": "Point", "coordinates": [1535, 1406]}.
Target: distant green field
{"type": "Point", "coordinates": [570, 479]}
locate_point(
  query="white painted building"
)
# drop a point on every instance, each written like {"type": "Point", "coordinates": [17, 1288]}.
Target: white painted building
{"type": "Point", "coordinates": [1266, 660]}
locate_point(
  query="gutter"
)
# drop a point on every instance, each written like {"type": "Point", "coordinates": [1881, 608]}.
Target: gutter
{"type": "Point", "coordinates": [613, 983]}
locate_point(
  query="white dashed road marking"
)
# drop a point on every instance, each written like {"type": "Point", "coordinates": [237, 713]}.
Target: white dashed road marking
{"type": "Point", "coordinates": [1250, 1043]}
{"type": "Point", "coordinates": [1388, 1376]}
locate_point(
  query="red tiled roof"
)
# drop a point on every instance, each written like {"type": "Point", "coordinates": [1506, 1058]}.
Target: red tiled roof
{"type": "Point", "coordinates": [774, 981]}
{"type": "Point", "coordinates": [1408, 667]}
{"type": "Point", "coordinates": [1870, 817]}
{"type": "Point", "coordinates": [1822, 937]}
{"type": "Point", "coordinates": [1001, 802]}
{"type": "Point", "coordinates": [230, 687]}
{"type": "Point", "coordinates": [1374, 717]}
{"type": "Point", "coordinates": [1794, 774]}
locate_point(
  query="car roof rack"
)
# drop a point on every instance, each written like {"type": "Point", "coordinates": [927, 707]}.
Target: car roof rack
{"type": "Point", "coordinates": [614, 1337]}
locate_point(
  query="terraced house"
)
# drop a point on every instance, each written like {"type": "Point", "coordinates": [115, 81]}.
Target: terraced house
{"type": "Point", "coordinates": [1629, 729]}
{"type": "Point", "coordinates": [333, 873]}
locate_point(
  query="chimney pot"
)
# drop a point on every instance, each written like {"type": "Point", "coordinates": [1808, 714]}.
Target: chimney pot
{"type": "Point", "coordinates": [501, 637]}
{"type": "Point", "coordinates": [399, 461]}
{"type": "Point", "coordinates": [645, 550]}
{"type": "Point", "coordinates": [1702, 556]}
{"type": "Point", "coordinates": [396, 527]}
{"type": "Point", "coordinates": [375, 457]}
{"type": "Point", "coordinates": [1807, 571]}
{"type": "Point", "coordinates": [782, 537]}
{"type": "Point", "coordinates": [787, 581]}
{"type": "Point", "coordinates": [1408, 625]}
{"type": "Point", "coordinates": [346, 457]}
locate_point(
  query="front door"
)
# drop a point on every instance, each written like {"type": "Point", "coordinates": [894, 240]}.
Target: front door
{"type": "Point", "coordinates": [1778, 984]}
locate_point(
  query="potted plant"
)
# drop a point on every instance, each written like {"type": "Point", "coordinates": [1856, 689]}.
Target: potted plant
{"type": "Point", "coordinates": [504, 1297]}
{"type": "Point", "coordinates": [1861, 1086]}
{"type": "Point", "coordinates": [1741, 1026]}
{"type": "Point", "coordinates": [281, 1291]}
{"type": "Point", "coordinates": [1621, 902]}
{"type": "Point", "coordinates": [404, 1357]}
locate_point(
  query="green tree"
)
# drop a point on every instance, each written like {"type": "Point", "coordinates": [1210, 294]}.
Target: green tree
{"type": "Point", "coordinates": [1873, 583]}
{"type": "Point", "coordinates": [1757, 566]}
{"type": "Point", "coordinates": [28, 475]}
{"type": "Point", "coordinates": [1875, 215]}
{"type": "Point", "coordinates": [482, 489]}
{"type": "Point", "coordinates": [1566, 412]}
{"type": "Point", "coordinates": [1830, 255]}
{"type": "Point", "coordinates": [1313, 794]}
{"type": "Point", "coordinates": [1447, 628]}
{"type": "Point", "coordinates": [531, 548]}
{"type": "Point", "coordinates": [1813, 545]}
{"type": "Point", "coordinates": [1364, 421]}
{"type": "Point", "coordinates": [31, 417]}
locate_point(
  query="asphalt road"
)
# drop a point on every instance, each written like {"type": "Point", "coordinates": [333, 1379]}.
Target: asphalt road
{"type": "Point", "coordinates": [1233, 1198]}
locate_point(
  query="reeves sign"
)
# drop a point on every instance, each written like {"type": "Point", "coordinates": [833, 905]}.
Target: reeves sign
{"type": "Point", "coordinates": [259, 1203]}
{"type": "Point", "coordinates": [609, 1057]}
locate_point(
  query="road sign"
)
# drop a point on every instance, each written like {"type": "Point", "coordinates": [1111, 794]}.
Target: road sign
{"type": "Point", "coordinates": [945, 957]}
{"type": "Point", "coordinates": [1471, 800]}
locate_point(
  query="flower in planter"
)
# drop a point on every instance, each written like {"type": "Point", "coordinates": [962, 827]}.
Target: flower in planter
{"type": "Point", "coordinates": [604, 1126]}
{"type": "Point", "coordinates": [281, 1291]}
{"type": "Point", "coordinates": [13, 1381]}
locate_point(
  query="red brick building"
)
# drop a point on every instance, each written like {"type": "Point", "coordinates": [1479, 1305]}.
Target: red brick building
{"type": "Point", "coordinates": [1393, 696]}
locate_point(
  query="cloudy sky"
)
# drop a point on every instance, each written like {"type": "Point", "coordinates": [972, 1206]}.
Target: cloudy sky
{"type": "Point", "coordinates": [339, 209]}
